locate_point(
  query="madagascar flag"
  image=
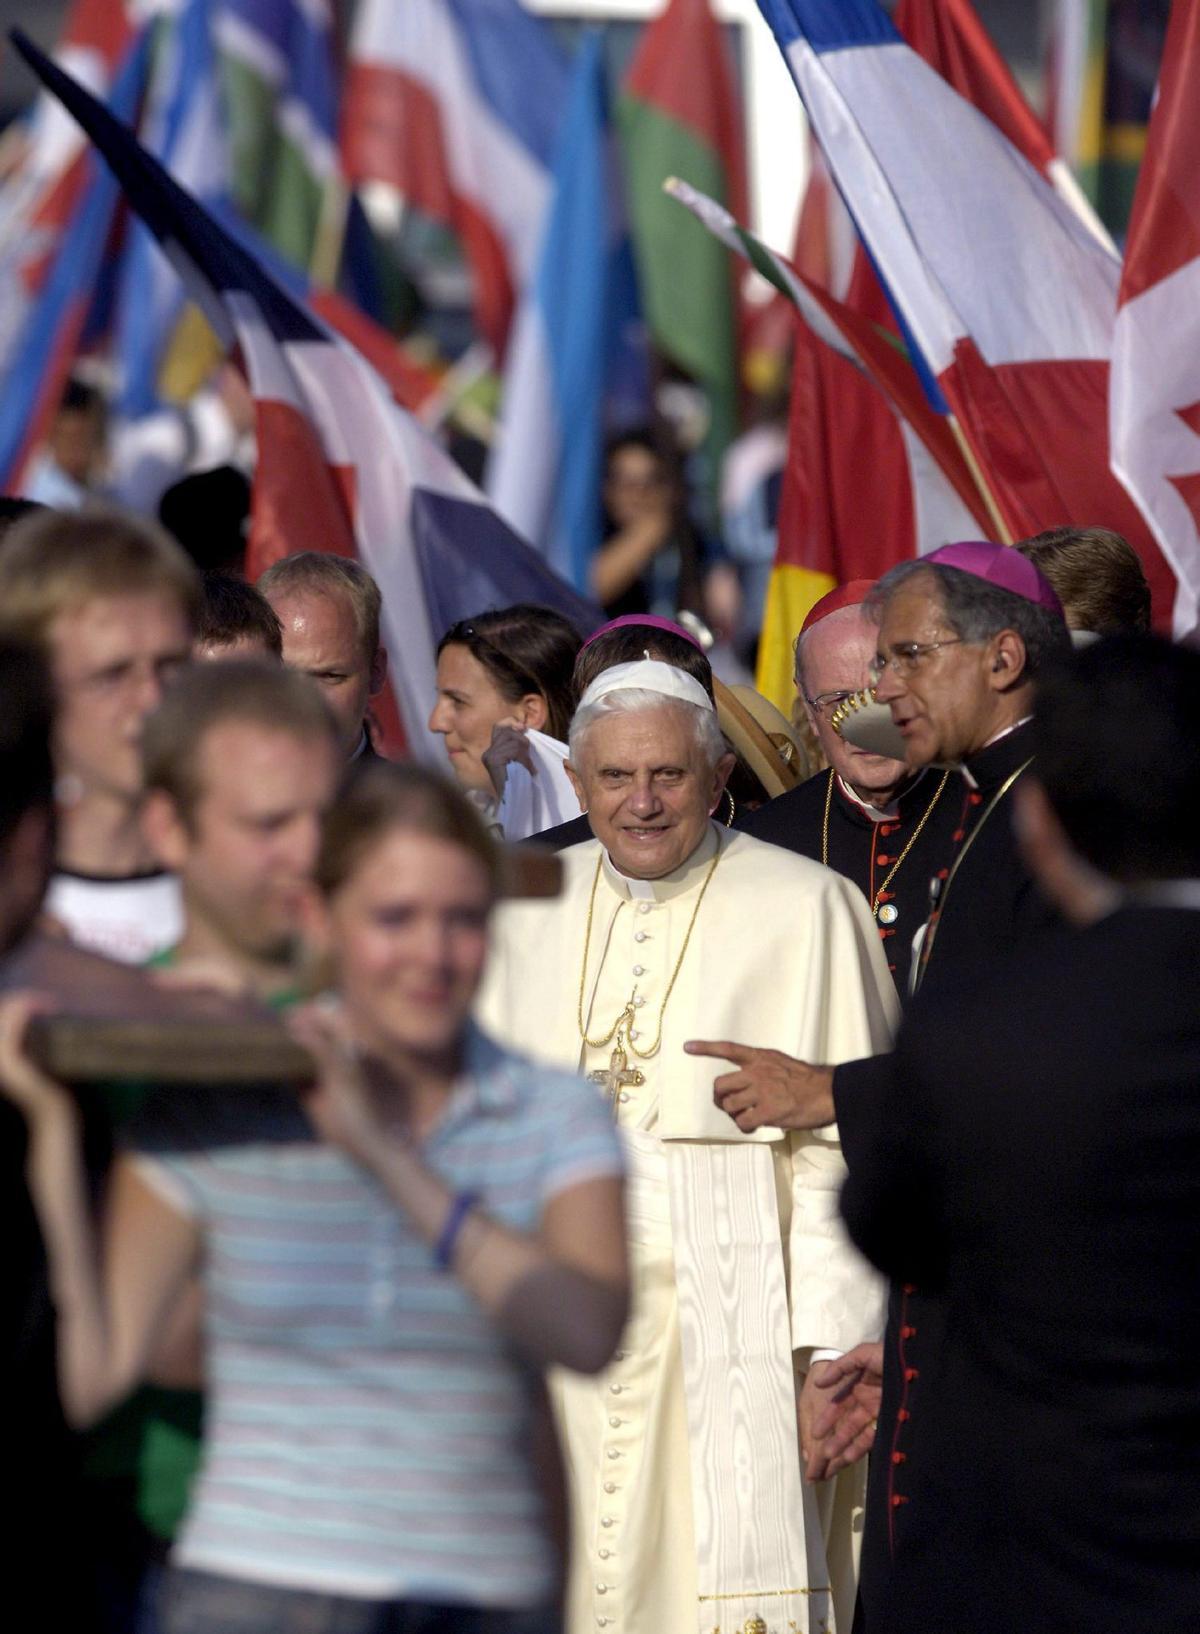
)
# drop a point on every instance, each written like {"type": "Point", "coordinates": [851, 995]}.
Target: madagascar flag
{"type": "Point", "coordinates": [679, 115]}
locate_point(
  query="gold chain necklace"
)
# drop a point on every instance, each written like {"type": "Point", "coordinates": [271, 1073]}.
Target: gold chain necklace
{"type": "Point", "coordinates": [913, 838]}
{"type": "Point", "coordinates": [626, 1017]}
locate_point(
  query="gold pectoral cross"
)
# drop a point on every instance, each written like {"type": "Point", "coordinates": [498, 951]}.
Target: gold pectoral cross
{"type": "Point", "coordinates": [619, 1074]}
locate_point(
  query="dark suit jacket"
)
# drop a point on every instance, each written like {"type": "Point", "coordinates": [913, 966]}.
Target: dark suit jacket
{"type": "Point", "coordinates": [1041, 1171]}
{"type": "Point", "coordinates": [991, 908]}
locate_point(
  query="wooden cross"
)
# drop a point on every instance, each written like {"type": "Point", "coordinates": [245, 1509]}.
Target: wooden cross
{"type": "Point", "coordinates": [618, 1076]}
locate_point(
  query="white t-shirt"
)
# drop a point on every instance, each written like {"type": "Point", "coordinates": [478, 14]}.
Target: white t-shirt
{"type": "Point", "coordinates": [128, 919]}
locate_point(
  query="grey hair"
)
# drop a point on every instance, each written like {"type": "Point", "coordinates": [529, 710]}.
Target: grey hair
{"type": "Point", "coordinates": [706, 728]}
{"type": "Point", "coordinates": [976, 610]}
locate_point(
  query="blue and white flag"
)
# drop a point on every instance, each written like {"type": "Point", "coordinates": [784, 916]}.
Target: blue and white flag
{"type": "Point", "coordinates": [341, 467]}
{"type": "Point", "coordinates": [573, 338]}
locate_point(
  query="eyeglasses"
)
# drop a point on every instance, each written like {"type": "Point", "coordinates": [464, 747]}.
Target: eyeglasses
{"type": "Point", "coordinates": [906, 656]}
{"type": "Point", "coordinates": [826, 702]}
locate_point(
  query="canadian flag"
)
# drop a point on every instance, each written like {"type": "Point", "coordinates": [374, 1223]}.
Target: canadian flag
{"type": "Point", "coordinates": [1154, 384]}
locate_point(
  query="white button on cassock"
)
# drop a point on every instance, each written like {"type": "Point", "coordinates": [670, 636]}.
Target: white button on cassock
{"type": "Point", "coordinates": [643, 907]}
{"type": "Point", "coordinates": [610, 1486]}
{"type": "Point", "coordinates": [639, 936]}
{"type": "Point", "coordinates": [639, 970]}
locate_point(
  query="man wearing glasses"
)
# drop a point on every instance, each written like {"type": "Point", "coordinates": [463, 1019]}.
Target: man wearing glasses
{"type": "Point", "coordinates": [866, 816]}
{"type": "Point", "coordinates": [963, 635]}
{"type": "Point", "coordinates": [111, 601]}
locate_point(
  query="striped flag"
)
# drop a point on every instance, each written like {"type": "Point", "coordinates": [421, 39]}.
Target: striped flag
{"type": "Point", "coordinates": [573, 339]}
{"type": "Point", "coordinates": [340, 466]}
{"type": "Point", "coordinates": [279, 89]}
{"type": "Point", "coordinates": [45, 339]}
{"type": "Point", "coordinates": [184, 128]}
{"type": "Point", "coordinates": [679, 115]}
{"type": "Point", "coordinates": [457, 105]}
{"type": "Point", "coordinates": [815, 552]}
{"type": "Point", "coordinates": [979, 255]}
{"type": "Point", "coordinates": [45, 179]}
{"type": "Point", "coordinates": [1155, 385]}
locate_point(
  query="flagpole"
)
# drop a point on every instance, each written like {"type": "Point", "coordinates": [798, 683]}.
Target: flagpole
{"type": "Point", "coordinates": [1001, 528]}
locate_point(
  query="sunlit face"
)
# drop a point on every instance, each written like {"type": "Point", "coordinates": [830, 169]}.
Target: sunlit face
{"type": "Point", "coordinates": [944, 708]}
{"type": "Point", "coordinates": [647, 789]}
{"type": "Point", "coordinates": [835, 655]}
{"type": "Point", "coordinates": [111, 658]}
{"type": "Point", "coordinates": [408, 933]}
{"type": "Point", "coordinates": [247, 855]}
{"type": "Point", "coordinates": [321, 639]}
{"type": "Point", "coordinates": [469, 704]}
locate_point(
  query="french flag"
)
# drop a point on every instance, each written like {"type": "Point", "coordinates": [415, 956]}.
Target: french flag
{"type": "Point", "coordinates": [341, 467]}
{"type": "Point", "coordinates": [457, 104]}
{"type": "Point", "coordinates": [1155, 386]}
{"type": "Point", "coordinates": [1008, 300]}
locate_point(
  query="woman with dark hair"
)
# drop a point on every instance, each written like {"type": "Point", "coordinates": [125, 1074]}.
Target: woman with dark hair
{"type": "Point", "coordinates": [652, 560]}
{"type": "Point", "coordinates": [505, 695]}
{"type": "Point", "coordinates": [380, 1301]}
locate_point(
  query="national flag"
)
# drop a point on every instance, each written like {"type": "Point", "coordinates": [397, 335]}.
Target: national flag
{"type": "Point", "coordinates": [48, 168]}
{"type": "Point", "coordinates": [851, 452]}
{"type": "Point", "coordinates": [341, 467]}
{"type": "Point", "coordinates": [1155, 385]}
{"type": "Point", "coordinates": [44, 344]}
{"type": "Point", "coordinates": [183, 127]}
{"type": "Point", "coordinates": [577, 324]}
{"type": "Point", "coordinates": [949, 35]}
{"type": "Point", "coordinates": [279, 89]}
{"type": "Point", "coordinates": [979, 255]}
{"type": "Point", "coordinates": [680, 115]}
{"type": "Point", "coordinates": [823, 537]}
{"type": "Point", "coordinates": [457, 105]}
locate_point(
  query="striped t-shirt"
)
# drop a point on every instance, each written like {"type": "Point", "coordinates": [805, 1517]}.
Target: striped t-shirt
{"type": "Point", "coordinates": [367, 1430]}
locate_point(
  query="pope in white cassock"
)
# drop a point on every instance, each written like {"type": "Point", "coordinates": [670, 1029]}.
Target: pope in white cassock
{"type": "Point", "coordinates": [689, 1511]}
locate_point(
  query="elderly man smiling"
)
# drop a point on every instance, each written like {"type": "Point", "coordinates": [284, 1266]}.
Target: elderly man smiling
{"type": "Point", "coordinates": [684, 1457]}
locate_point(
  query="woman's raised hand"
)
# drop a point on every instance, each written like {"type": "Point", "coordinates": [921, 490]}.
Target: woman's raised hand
{"type": "Point", "coordinates": [509, 743]}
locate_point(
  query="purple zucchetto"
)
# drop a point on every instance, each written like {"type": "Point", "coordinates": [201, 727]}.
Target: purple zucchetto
{"type": "Point", "coordinates": [1000, 565]}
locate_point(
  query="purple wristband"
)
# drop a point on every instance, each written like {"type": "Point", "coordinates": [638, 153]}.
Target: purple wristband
{"type": "Point", "coordinates": [443, 1249]}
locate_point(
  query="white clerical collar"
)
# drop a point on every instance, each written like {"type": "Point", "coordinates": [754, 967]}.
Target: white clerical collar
{"type": "Point", "coordinates": [1005, 732]}
{"type": "Point", "coordinates": [878, 814]}
{"type": "Point", "coordinates": [674, 884]}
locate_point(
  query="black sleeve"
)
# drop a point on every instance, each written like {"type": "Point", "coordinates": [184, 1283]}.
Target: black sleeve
{"type": "Point", "coordinates": [892, 1202]}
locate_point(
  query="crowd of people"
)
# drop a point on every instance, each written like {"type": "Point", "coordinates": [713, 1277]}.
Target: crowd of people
{"type": "Point", "coordinates": [787, 1225]}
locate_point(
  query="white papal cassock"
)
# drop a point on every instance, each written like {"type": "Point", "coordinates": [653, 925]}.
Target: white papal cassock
{"type": "Point", "coordinates": [689, 1514]}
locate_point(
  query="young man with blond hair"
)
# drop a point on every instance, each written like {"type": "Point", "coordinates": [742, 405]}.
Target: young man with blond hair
{"type": "Point", "coordinates": [111, 601]}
